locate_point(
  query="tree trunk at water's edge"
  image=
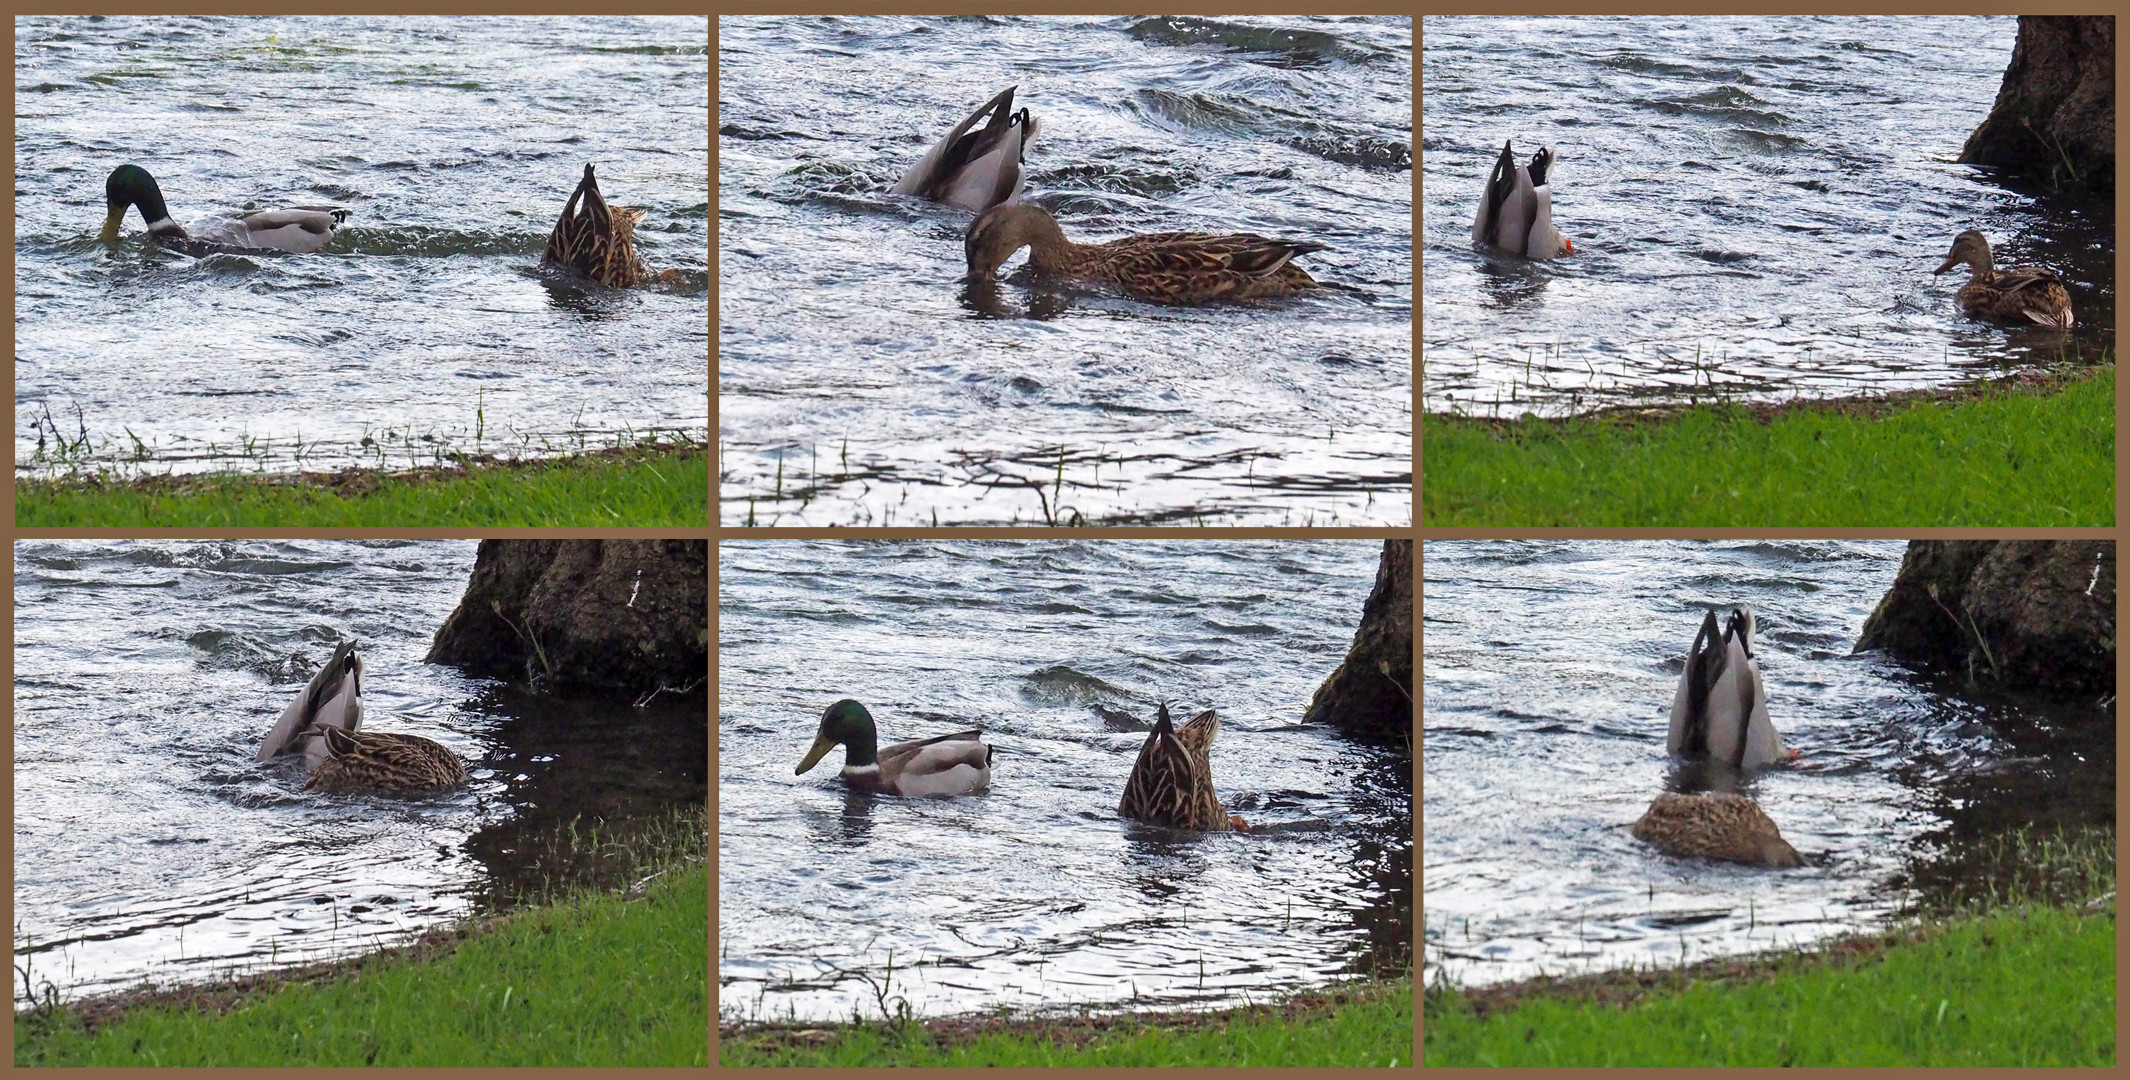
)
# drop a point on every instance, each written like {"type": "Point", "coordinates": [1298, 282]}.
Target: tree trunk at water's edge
{"type": "Point", "coordinates": [1370, 696]}
{"type": "Point", "coordinates": [588, 616]}
{"type": "Point", "coordinates": [2025, 614]}
{"type": "Point", "coordinates": [2055, 114]}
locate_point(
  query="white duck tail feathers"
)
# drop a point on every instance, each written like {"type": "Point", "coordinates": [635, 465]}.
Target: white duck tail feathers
{"type": "Point", "coordinates": [975, 170]}
{"type": "Point", "coordinates": [1720, 709]}
{"type": "Point", "coordinates": [1516, 210]}
{"type": "Point", "coordinates": [333, 698]}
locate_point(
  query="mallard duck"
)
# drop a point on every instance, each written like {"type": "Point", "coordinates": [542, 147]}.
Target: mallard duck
{"type": "Point", "coordinates": [597, 240]}
{"type": "Point", "coordinates": [2017, 294]}
{"type": "Point", "coordinates": [1166, 268]}
{"type": "Point", "coordinates": [954, 764]}
{"type": "Point", "coordinates": [368, 761]}
{"type": "Point", "coordinates": [1172, 781]}
{"type": "Point", "coordinates": [975, 170]}
{"type": "Point", "coordinates": [298, 229]}
{"type": "Point", "coordinates": [332, 700]}
{"type": "Point", "coordinates": [1516, 211]}
{"type": "Point", "coordinates": [1721, 707]}
{"type": "Point", "coordinates": [1715, 827]}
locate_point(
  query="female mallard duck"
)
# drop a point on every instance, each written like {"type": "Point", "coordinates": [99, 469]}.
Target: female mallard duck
{"type": "Point", "coordinates": [300, 229]}
{"type": "Point", "coordinates": [1516, 211]}
{"type": "Point", "coordinates": [597, 240]}
{"type": "Point", "coordinates": [2018, 294]}
{"type": "Point", "coordinates": [331, 701]}
{"type": "Point", "coordinates": [366, 761]}
{"type": "Point", "coordinates": [954, 764]}
{"type": "Point", "coordinates": [1172, 782]}
{"type": "Point", "coordinates": [1720, 709]}
{"type": "Point", "coordinates": [1166, 268]}
{"type": "Point", "coordinates": [1716, 827]}
{"type": "Point", "coordinates": [975, 170]}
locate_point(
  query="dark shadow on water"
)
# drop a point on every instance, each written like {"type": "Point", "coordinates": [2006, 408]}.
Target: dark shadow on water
{"type": "Point", "coordinates": [595, 789]}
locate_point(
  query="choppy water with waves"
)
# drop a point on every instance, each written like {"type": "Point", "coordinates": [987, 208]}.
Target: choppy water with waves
{"type": "Point", "coordinates": [861, 382]}
{"type": "Point", "coordinates": [1757, 205]}
{"type": "Point", "coordinates": [1548, 673]}
{"type": "Point", "coordinates": [424, 328]}
{"type": "Point", "coordinates": [150, 848]}
{"type": "Point", "coordinates": [1034, 894]}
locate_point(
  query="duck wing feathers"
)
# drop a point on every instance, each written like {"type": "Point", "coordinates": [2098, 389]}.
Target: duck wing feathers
{"type": "Point", "coordinates": [974, 170]}
{"type": "Point", "coordinates": [332, 699]}
{"type": "Point", "coordinates": [941, 765]}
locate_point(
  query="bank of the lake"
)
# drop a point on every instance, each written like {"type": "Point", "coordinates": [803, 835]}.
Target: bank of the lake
{"type": "Point", "coordinates": [661, 484]}
{"type": "Point", "coordinates": [601, 979]}
{"type": "Point", "coordinates": [2015, 986]}
{"type": "Point", "coordinates": [1360, 1024]}
{"type": "Point", "coordinates": [2035, 452]}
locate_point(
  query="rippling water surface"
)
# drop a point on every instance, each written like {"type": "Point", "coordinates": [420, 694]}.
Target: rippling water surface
{"type": "Point", "coordinates": [1757, 206]}
{"type": "Point", "coordinates": [149, 846]}
{"type": "Point", "coordinates": [423, 328]}
{"type": "Point", "coordinates": [1548, 676]}
{"type": "Point", "coordinates": [861, 382]}
{"type": "Point", "coordinates": [1035, 893]}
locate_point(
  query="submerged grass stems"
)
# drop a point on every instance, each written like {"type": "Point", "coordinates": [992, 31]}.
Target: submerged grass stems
{"type": "Point", "coordinates": [1998, 455]}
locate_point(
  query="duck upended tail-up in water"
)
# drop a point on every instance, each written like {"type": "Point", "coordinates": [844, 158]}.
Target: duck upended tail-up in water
{"type": "Point", "coordinates": [975, 170]}
{"type": "Point", "coordinates": [2021, 295]}
{"type": "Point", "coordinates": [1720, 709]}
{"type": "Point", "coordinates": [332, 699]}
{"type": "Point", "coordinates": [954, 764]}
{"type": "Point", "coordinates": [1164, 268]}
{"type": "Point", "coordinates": [298, 229]}
{"type": "Point", "coordinates": [1172, 781]}
{"type": "Point", "coordinates": [597, 240]}
{"type": "Point", "coordinates": [1725, 827]}
{"type": "Point", "coordinates": [325, 723]}
{"type": "Point", "coordinates": [1516, 210]}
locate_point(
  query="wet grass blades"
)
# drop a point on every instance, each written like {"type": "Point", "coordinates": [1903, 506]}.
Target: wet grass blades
{"type": "Point", "coordinates": [1369, 1024]}
{"type": "Point", "coordinates": [597, 980]}
{"type": "Point", "coordinates": [1998, 456]}
{"type": "Point", "coordinates": [661, 485]}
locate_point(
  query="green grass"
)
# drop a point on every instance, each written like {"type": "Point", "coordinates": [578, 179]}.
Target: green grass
{"type": "Point", "coordinates": [1996, 456]}
{"type": "Point", "coordinates": [596, 981]}
{"type": "Point", "coordinates": [1365, 1026]}
{"type": "Point", "coordinates": [635, 487]}
{"type": "Point", "coordinates": [2015, 987]}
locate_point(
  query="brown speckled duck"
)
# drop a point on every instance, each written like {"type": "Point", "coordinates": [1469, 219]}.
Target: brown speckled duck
{"type": "Point", "coordinates": [2017, 294]}
{"type": "Point", "coordinates": [1165, 268]}
{"type": "Point", "coordinates": [597, 240]}
{"type": "Point", "coordinates": [1716, 827]}
{"type": "Point", "coordinates": [1172, 781]}
{"type": "Point", "coordinates": [361, 762]}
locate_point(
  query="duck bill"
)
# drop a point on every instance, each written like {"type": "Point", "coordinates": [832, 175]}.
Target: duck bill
{"type": "Point", "coordinates": [822, 745]}
{"type": "Point", "coordinates": [112, 221]}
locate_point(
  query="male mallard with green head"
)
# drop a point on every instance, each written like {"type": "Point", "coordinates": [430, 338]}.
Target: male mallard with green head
{"type": "Point", "coordinates": [1165, 268]}
{"type": "Point", "coordinates": [597, 240]}
{"type": "Point", "coordinates": [1172, 781]}
{"type": "Point", "coordinates": [382, 761]}
{"type": "Point", "coordinates": [954, 764]}
{"type": "Point", "coordinates": [299, 229]}
{"type": "Point", "coordinates": [2018, 294]}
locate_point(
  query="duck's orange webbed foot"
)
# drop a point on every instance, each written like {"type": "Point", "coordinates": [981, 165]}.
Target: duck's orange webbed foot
{"type": "Point", "coordinates": [1238, 823]}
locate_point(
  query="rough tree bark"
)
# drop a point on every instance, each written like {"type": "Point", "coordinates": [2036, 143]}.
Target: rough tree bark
{"type": "Point", "coordinates": [585, 616]}
{"type": "Point", "coordinates": [1370, 696]}
{"type": "Point", "coordinates": [2055, 113]}
{"type": "Point", "coordinates": [2034, 614]}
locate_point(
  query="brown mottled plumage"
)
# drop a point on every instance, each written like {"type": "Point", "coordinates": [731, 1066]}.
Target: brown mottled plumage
{"type": "Point", "coordinates": [595, 239]}
{"type": "Point", "coordinates": [2017, 294]}
{"type": "Point", "coordinates": [368, 761]}
{"type": "Point", "coordinates": [1172, 782]}
{"type": "Point", "coordinates": [1717, 827]}
{"type": "Point", "coordinates": [1166, 268]}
